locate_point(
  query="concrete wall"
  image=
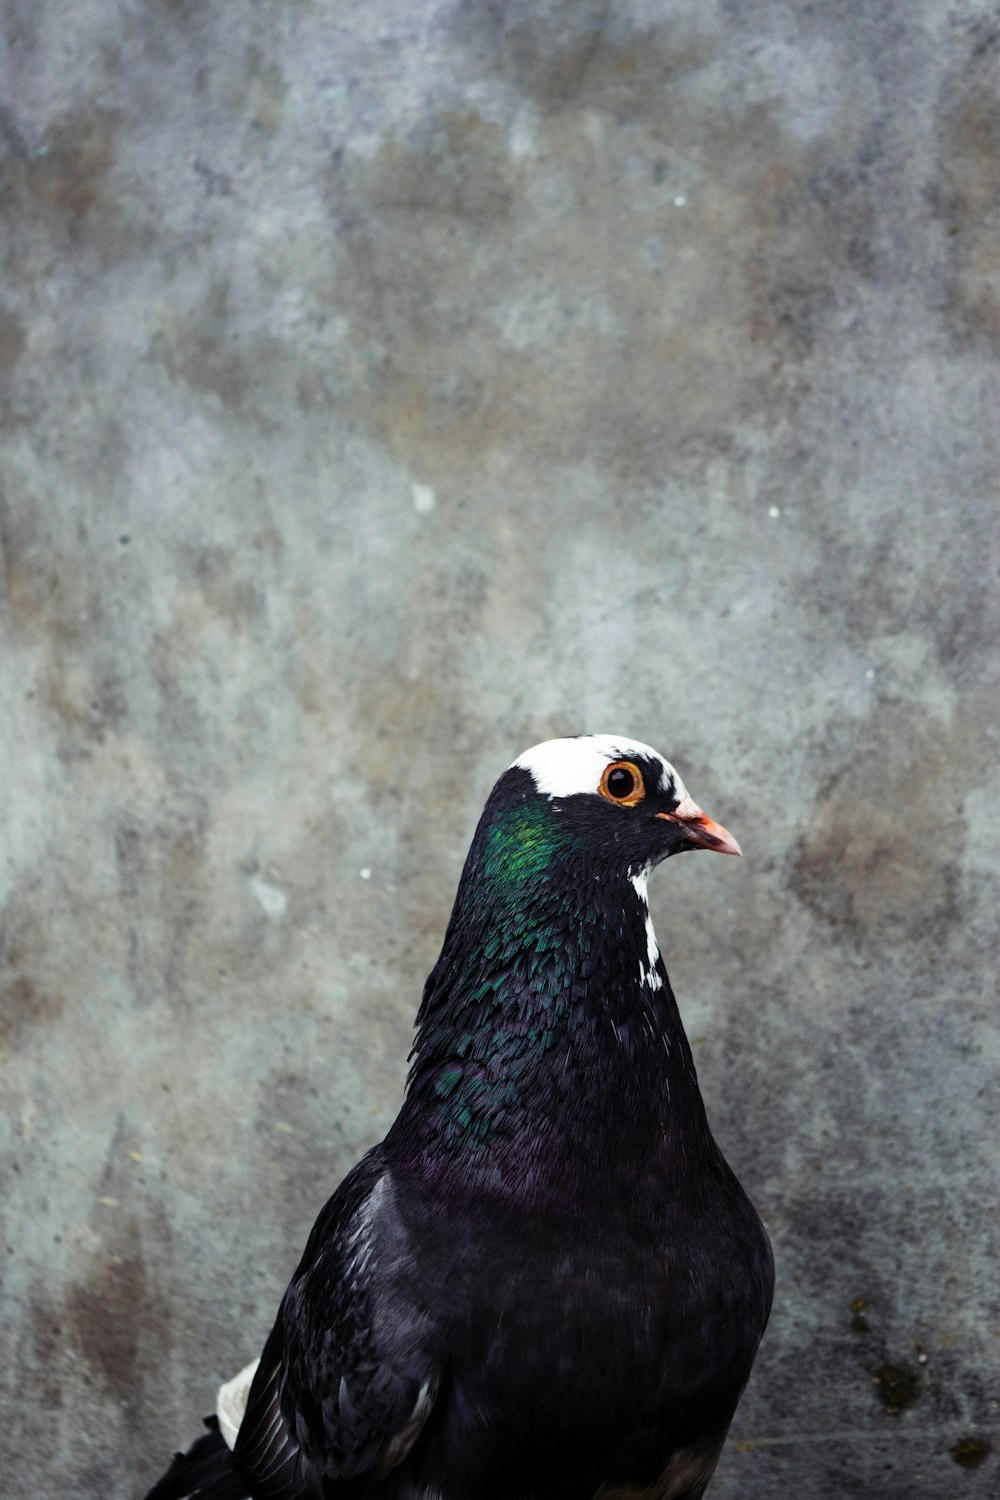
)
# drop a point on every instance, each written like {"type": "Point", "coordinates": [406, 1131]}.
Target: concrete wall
{"type": "Point", "coordinates": [386, 388]}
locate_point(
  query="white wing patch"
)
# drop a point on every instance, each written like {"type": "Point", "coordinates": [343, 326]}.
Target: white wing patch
{"type": "Point", "coordinates": [231, 1402]}
{"type": "Point", "coordinates": [564, 767]}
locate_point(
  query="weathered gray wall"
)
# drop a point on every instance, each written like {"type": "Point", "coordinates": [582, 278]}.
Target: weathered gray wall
{"type": "Point", "coordinates": [386, 387]}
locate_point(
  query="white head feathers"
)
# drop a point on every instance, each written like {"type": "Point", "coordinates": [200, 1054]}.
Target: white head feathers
{"type": "Point", "coordinates": [564, 767]}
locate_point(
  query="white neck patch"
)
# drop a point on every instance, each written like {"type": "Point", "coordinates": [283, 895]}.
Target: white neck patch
{"type": "Point", "coordinates": [562, 768]}
{"type": "Point", "coordinates": [648, 973]}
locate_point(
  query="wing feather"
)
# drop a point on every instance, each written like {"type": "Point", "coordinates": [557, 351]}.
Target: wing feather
{"type": "Point", "coordinates": [347, 1379]}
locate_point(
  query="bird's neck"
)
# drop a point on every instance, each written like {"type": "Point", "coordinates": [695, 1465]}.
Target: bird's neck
{"type": "Point", "coordinates": [548, 1042]}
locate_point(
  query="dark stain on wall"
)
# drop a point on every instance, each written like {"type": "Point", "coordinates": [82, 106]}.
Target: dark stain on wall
{"type": "Point", "coordinates": [67, 178]}
{"type": "Point", "coordinates": [475, 326]}
{"type": "Point", "coordinates": [12, 338]}
{"type": "Point", "coordinates": [898, 1386]}
{"type": "Point", "coordinates": [25, 1007]}
{"type": "Point", "coordinates": [47, 588]}
{"type": "Point", "coordinates": [106, 1314]}
{"type": "Point", "coordinates": [885, 844]}
{"type": "Point", "coordinates": [161, 870]}
{"type": "Point", "coordinates": [966, 190]}
{"type": "Point", "coordinates": [115, 1317]}
{"type": "Point", "coordinates": [572, 56]}
{"type": "Point", "coordinates": [971, 1452]}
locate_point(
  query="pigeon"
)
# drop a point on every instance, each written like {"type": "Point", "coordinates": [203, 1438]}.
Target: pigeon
{"type": "Point", "coordinates": [546, 1281]}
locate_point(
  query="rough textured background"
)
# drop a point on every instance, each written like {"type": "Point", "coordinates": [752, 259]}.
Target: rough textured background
{"type": "Point", "coordinates": [385, 388]}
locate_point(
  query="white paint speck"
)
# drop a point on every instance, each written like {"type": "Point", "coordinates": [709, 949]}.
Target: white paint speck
{"type": "Point", "coordinates": [774, 511]}
{"type": "Point", "coordinates": [423, 499]}
{"type": "Point", "coordinates": [273, 901]}
{"type": "Point", "coordinates": [870, 674]}
{"type": "Point", "coordinates": [365, 874]}
{"type": "Point", "coordinates": [680, 201]}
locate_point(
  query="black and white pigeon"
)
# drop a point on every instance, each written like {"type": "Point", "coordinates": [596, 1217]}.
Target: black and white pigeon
{"type": "Point", "coordinates": [546, 1281]}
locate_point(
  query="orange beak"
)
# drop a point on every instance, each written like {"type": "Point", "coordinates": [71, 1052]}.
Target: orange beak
{"type": "Point", "coordinates": [702, 832]}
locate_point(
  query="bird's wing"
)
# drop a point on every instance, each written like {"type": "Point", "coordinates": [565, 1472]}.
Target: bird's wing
{"type": "Point", "coordinates": [346, 1380]}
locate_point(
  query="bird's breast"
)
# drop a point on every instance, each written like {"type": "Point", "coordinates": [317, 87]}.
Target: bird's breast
{"type": "Point", "coordinates": [612, 1323]}
{"type": "Point", "coordinates": [641, 1302]}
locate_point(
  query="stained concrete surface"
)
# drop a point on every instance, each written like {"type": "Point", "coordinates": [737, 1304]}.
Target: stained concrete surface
{"type": "Point", "coordinates": [386, 388]}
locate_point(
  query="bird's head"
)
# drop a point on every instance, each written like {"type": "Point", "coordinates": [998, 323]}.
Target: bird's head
{"type": "Point", "coordinates": [550, 952]}
{"type": "Point", "coordinates": [612, 799]}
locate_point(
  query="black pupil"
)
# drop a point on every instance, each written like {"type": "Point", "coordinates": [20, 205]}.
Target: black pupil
{"type": "Point", "coordinates": [621, 783]}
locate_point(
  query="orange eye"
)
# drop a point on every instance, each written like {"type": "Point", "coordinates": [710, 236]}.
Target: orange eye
{"type": "Point", "coordinates": [622, 783]}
